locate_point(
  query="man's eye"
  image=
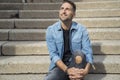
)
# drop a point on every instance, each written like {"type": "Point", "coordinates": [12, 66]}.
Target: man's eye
{"type": "Point", "coordinates": [68, 9]}
{"type": "Point", "coordinates": [61, 8]}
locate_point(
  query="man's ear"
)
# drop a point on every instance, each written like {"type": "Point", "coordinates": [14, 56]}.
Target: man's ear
{"type": "Point", "coordinates": [74, 15]}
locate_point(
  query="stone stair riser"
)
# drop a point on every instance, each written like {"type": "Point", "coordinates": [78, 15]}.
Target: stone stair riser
{"type": "Point", "coordinates": [39, 64]}
{"type": "Point", "coordinates": [11, 6]}
{"type": "Point", "coordinates": [1, 43]}
{"type": "Point", "coordinates": [47, 1]}
{"type": "Point", "coordinates": [38, 34]}
{"type": "Point", "coordinates": [55, 6]}
{"type": "Point", "coordinates": [79, 14]}
{"type": "Point", "coordinates": [40, 48]}
{"type": "Point", "coordinates": [38, 14]}
{"type": "Point", "coordinates": [23, 77]}
{"type": "Point", "coordinates": [44, 23]}
{"type": "Point", "coordinates": [25, 48]}
{"type": "Point", "coordinates": [41, 77]}
{"type": "Point", "coordinates": [4, 34]}
{"type": "Point", "coordinates": [89, 22]}
{"type": "Point", "coordinates": [43, 1]}
{"type": "Point", "coordinates": [11, 1]}
{"type": "Point", "coordinates": [95, 34]}
{"type": "Point", "coordinates": [9, 14]}
{"type": "Point", "coordinates": [6, 24]}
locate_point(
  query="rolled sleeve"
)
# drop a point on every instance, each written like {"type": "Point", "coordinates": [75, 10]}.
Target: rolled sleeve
{"type": "Point", "coordinates": [86, 47]}
{"type": "Point", "coordinates": [55, 59]}
{"type": "Point", "coordinates": [51, 46]}
{"type": "Point", "coordinates": [90, 59]}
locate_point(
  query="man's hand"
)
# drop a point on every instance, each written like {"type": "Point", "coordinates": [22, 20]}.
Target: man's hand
{"type": "Point", "coordinates": [76, 73]}
{"type": "Point", "coordinates": [83, 72]}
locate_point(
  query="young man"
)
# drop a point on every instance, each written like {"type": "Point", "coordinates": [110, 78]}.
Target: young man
{"type": "Point", "coordinates": [69, 47]}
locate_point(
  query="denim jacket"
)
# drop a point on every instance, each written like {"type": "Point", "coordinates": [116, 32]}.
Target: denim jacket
{"type": "Point", "coordinates": [79, 40]}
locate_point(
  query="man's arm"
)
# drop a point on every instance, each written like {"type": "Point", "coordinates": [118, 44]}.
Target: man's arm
{"type": "Point", "coordinates": [79, 73]}
{"type": "Point", "coordinates": [87, 46]}
{"type": "Point", "coordinates": [61, 65]}
{"type": "Point", "coordinates": [72, 72]}
{"type": "Point", "coordinates": [51, 45]}
{"type": "Point", "coordinates": [85, 71]}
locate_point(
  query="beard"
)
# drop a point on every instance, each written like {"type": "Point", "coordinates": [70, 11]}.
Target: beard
{"type": "Point", "coordinates": [65, 18]}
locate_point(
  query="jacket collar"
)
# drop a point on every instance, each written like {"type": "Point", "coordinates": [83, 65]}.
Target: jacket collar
{"type": "Point", "coordinates": [73, 27]}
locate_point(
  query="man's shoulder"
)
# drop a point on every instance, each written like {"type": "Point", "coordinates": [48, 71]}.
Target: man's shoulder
{"type": "Point", "coordinates": [80, 26]}
{"type": "Point", "coordinates": [53, 26]}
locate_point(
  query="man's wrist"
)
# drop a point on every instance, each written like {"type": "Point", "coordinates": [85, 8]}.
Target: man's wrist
{"type": "Point", "coordinates": [66, 70]}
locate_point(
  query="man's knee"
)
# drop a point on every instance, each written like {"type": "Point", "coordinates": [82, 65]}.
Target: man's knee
{"type": "Point", "coordinates": [79, 57]}
{"type": "Point", "coordinates": [78, 60]}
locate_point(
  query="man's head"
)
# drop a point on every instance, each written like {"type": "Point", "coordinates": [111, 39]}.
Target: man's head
{"type": "Point", "coordinates": [71, 3]}
{"type": "Point", "coordinates": [67, 11]}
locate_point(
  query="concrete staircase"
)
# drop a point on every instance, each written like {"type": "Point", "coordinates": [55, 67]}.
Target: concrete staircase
{"type": "Point", "coordinates": [23, 50]}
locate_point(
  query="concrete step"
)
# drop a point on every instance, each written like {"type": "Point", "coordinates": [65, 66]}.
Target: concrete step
{"type": "Point", "coordinates": [24, 64]}
{"type": "Point", "coordinates": [88, 22]}
{"type": "Point", "coordinates": [11, 6]}
{"type": "Point", "coordinates": [104, 34]}
{"type": "Point", "coordinates": [4, 34]}
{"type": "Point", "coordinates": [43, 1]}
{"type": "Point", "coordinates": [98, 5]}
{"type": "Point", "coordinates": [27, 34]}
{"type": "Point", "coordinates": [98, 13]}
{"type": "Point", "coordinates": [11, 1]}
{"type": "Point", "coordinates": [39, 1]}
{"type": "Point", "coordinates": [106, 47]}
{"type": "Point", "coordinates": [24, 48]}
{"type": "Point", "coordinates": [22, 77]}
{"type": "Point", "coordinates": [6, 24]}
{"type": "Point", "coordinates": [39, 64]}
{"type": "Point", "coordinates": [102, 77]}
{"type": "Point", "coordinates": [47, 14]}
{"type": "Point", "coordinates": [44, 23]}
{"type": "Point", "coordinates": [99, 22]}
{"type": "Point", "coordinates": [39, 34]}
{"type": "Point", "coordinates": [1, 43]}
{"type": "Point", "coordinates": [9, 14]}
{"type": "Point", "coordinates": [41, 77]}
{"type": "Point", "coordinates": [55, 6]}
{"type": "Point", "coordinates": [39, 47]}
{"type": "Point", "coordinates": [102, 62]}
{"type": "Point", "coordinates": [92, 0]}
{"type": "Point", "coordinates": [52, 1]}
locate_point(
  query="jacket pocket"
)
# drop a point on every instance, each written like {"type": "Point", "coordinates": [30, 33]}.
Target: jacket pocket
{"type": "Point", "coordinates": [76, 44]}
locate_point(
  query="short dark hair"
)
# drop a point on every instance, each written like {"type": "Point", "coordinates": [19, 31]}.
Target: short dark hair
{"type": "Point", "coordinates": [71, 3]}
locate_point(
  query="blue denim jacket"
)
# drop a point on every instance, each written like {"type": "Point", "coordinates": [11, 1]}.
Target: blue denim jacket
{"type": "Point", "coordinates": [79, 41]}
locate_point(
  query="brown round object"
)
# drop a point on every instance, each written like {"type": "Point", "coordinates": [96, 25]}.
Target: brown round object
{"type": "Point", "coordinates": [78, 59]}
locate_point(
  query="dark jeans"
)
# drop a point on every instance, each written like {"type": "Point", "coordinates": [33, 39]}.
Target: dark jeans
{"type": "Point", "coordinates": [58, 74]}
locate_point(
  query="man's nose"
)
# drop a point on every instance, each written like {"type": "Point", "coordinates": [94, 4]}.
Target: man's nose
{"type": "Point", "coordinates": [64, 11]}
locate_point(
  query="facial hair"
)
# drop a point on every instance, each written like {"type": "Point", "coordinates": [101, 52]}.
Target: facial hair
{"type": "Point", "coordinates": [66, 19]}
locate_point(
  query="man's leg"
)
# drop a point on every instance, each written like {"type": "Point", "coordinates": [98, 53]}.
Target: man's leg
{"type": "Point", "coordinates": [56, 74]}
{"type": "Point", "coordinates": [78, 60]}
